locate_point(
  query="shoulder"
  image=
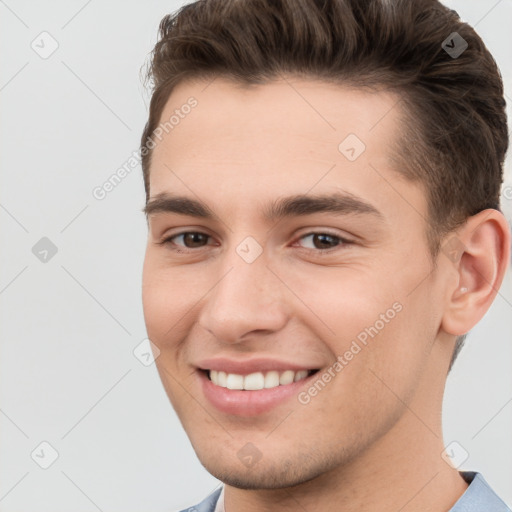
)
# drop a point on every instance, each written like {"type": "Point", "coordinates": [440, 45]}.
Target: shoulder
{"type": "Point", "coordinates": [479, 496]}
{"type": "Point", "coordinates": [208, 504]}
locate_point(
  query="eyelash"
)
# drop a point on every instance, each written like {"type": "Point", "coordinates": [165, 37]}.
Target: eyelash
{"type": "Point", "coordinates": [341, 242]}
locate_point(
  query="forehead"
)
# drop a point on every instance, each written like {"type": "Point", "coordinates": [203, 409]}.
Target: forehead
{"type": "Point", "coordinates": [305, 115]}
{"type": "Point", "coordinates": [252, 143]}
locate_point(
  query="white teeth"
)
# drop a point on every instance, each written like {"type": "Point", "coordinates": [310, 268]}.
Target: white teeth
{"type": "Point", "coordinates": [256, 381]}
{"type": "Point", "coordinates": [235, 381]}
{"type": "Point", "coordinates": [300, 375]}
{"type": "Point", "coordinates": [271, 379]}
{"type": "Point", "coordinates": [222, 379]}
{"type": "Point", "coordinates": [286, 377]}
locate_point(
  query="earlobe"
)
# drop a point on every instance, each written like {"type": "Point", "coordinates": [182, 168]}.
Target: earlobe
{"type": "Point", "coordinates": [480, 267]}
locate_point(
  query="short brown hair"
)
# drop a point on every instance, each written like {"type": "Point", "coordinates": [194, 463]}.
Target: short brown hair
{"type": "Point", "coordinates": [454, 134]}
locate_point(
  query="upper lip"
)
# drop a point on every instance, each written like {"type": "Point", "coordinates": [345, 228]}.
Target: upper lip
{"type": "Point", "coordinates": [253, 365]}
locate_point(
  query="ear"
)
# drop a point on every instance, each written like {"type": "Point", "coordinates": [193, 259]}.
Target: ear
{"type": "Point", "coordinates": [479, 253]}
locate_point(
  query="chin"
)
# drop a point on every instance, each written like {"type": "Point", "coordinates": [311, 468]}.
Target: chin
{"type": "Point", "coordinates": [262, 479]}
{"type": "Point", "coordinates": [269, 474]}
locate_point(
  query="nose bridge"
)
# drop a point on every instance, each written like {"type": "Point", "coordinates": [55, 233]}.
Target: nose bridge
{"type": "Point", "coordinates": [248, 298]}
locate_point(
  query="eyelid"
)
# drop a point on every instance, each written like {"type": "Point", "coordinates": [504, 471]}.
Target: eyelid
{"type": "Point", "coordinates": [167, 239]}
{"type": "Point", "coordinates": [343, 240]}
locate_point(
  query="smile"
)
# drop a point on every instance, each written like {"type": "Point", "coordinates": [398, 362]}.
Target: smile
{"type": "Point", "coordinates": [258, 380]}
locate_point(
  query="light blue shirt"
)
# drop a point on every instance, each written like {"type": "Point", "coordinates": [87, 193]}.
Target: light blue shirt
{"type": "Point", "coordinates": [478, 497]}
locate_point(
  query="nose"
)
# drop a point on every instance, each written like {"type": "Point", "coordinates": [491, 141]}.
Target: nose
{"type": "Point", "coordinates": [249, 300]}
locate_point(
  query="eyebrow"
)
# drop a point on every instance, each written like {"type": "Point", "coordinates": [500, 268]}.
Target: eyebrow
{"type": "Point", "coordinates": [341, 203]}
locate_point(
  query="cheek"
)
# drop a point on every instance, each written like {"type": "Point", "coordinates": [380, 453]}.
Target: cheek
{"type": "Point", "coordinates": [168, 295]}
{"type": "Point", "coordinates": [369, 317]}
{"type": "Point", "coordinates": [342, 303]}
{"type": "Point", "coordinates": [397, 337]}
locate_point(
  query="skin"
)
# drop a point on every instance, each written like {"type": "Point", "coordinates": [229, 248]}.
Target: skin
{"type": "Point", "coordinates": [372, 438]}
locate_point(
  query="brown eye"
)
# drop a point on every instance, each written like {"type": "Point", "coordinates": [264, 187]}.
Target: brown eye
{"type": "Point", "coordinates": [190, 239]}
{"type": "Point", "coordinates": [194, 239]}
{"type": "Point", "coordinates": [323, 240]}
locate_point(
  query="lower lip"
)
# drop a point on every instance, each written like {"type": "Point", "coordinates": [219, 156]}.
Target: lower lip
{"type": "Point", "coordinates": [248, 403]}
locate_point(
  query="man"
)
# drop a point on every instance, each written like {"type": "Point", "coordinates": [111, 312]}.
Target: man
{"type": "Point", "coordinates": [322, 183]}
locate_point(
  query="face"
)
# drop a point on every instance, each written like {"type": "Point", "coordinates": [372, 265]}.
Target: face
{"type": "Point", "coordinates": [287, 280]}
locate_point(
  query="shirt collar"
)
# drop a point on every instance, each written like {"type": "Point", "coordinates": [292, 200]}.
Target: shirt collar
{"type": "Point", "coordinates": [477, 497]}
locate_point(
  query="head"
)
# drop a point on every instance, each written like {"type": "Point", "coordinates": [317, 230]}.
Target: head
{"type": "Point", "coordinates": [338, 173]}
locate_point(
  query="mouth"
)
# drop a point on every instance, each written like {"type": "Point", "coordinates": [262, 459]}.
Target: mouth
{"type": "Point", "coordinates": [255, 393]}
{"type": "Point", "coordinates": [258, 380]}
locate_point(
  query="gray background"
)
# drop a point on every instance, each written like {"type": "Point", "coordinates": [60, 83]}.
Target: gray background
{"type": "Point", "coordinates": [69, 325]}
